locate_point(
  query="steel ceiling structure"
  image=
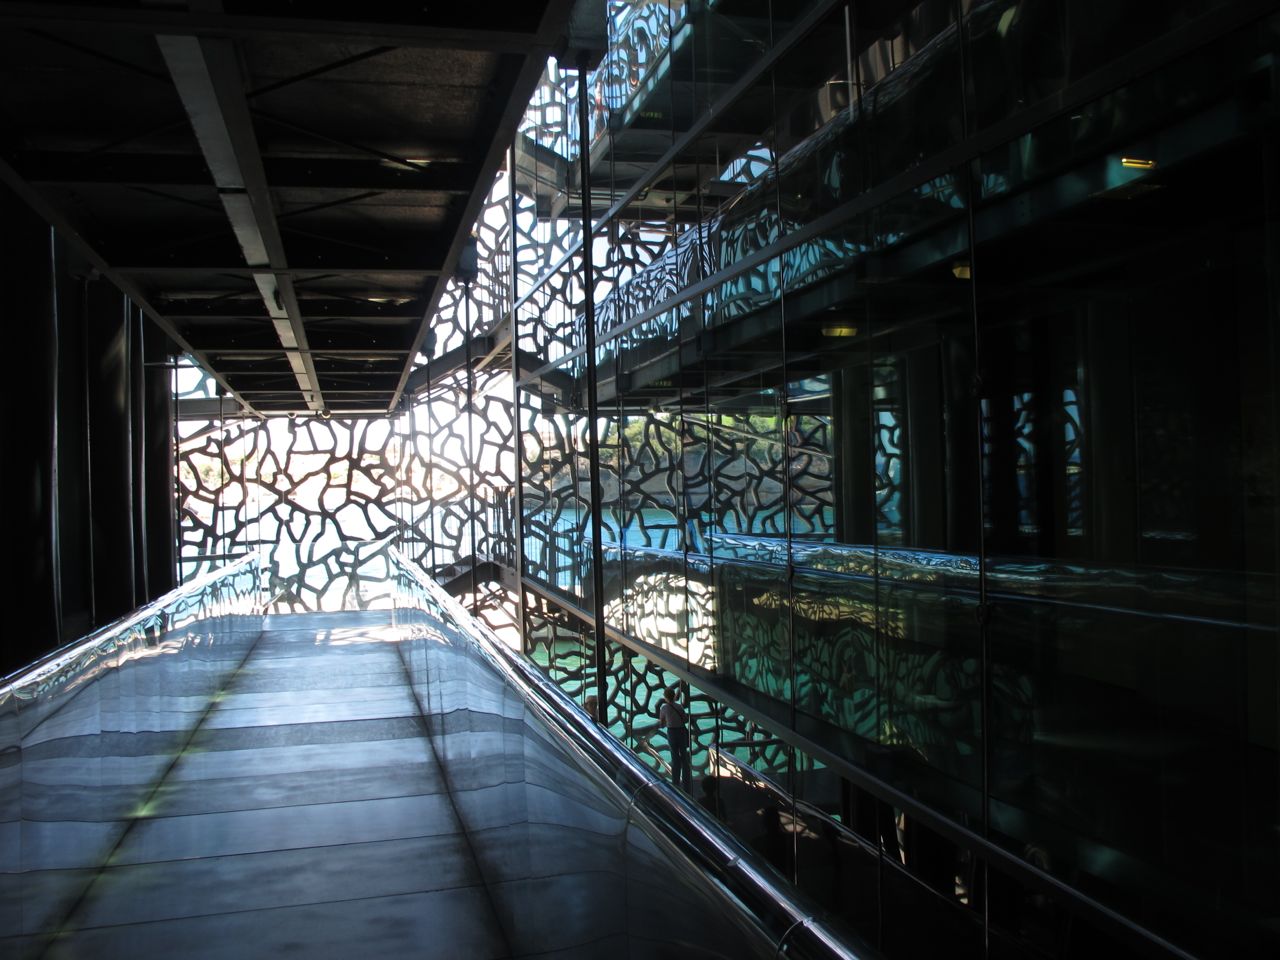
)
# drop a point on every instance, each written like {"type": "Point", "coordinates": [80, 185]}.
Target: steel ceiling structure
{"type": "Point", "coordinates": [285, 190]}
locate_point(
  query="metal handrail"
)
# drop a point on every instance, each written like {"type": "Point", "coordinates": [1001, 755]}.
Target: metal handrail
{"type": "Point", "coordinates": [56, 659]}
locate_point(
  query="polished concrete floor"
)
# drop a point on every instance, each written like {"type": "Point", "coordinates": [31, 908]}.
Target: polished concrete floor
{"type": "Point", "coordinates": [306, 816]}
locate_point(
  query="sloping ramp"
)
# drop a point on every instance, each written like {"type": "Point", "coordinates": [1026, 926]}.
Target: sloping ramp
{"type": "Point", "coordinates": [306, 817]}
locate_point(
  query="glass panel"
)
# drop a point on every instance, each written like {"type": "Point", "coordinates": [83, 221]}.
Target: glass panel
{"type": "Point", "coordinates": [556, 498]}
{"type": "Point", "coordinates": [881, 445]}
{"type": "Point", "coordinates": [637, 689]}
{"type": "Point", "coordinates": [548, 219]}
{"type": "Point", "coordinates": [562, 646]}
{"type": "Point", "coordinates": [951, 928]}
{"type": "Point", "coordinates": [635, 94]}
{"type": "Point", "coordinates": [1128, 423]}
{"type": "Point", "coordinates": [908, 82]}
{"type": "Point", "coordinates": [817, 133]}
{"type": "Point", "coordinates": [745, 525]}
{"type": "Point", "coordinates": [1018, 565]}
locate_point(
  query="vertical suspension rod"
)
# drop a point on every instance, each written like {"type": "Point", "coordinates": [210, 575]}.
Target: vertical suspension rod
{"type": "Point", "coordinates": [473, 472]}
{"type": "Point", "coordinates": [517, 522]}
{"type": "Point", "coordinates": [593, 410]}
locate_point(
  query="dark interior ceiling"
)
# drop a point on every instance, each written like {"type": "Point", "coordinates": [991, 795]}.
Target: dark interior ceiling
{"type": "Point", "coordinates": [283, 189]}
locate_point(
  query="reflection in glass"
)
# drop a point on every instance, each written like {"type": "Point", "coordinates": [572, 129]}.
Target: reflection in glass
{"type": "Point", "coordinates": [942, 442]}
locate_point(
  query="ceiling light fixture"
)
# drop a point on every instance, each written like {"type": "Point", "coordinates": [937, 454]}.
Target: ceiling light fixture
{"type": "Point", "coordinates": [404, 163]}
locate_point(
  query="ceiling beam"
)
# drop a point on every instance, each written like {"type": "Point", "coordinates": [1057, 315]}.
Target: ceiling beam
{"type": "Point", "coordinates": [395, 253]}
{"type": "Point", "coordinates": [160, 171]}
{"type": "Point", "coordinates": [453, 27]}
{"type": "Point", "coordinates": [240, 272]}
{"type": "Point", "coordinates": [215, 308]}
{"type": "Point", "coordinates": [365, 376]}
{"type": "Point", "coordinates": [207, 76]}
{"type": "Point", "coordinates": [344, 354]}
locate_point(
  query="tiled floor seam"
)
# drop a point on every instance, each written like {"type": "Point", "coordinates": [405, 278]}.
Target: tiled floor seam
{"type": "Point", "coordinates": [342, 844]}
{"type": "Point", "coordinates": [77, 903]}
{"type": "Point", "coordinates": [283, 906]}
{"type": "Point", "coordinates": [278, 806]}
{"type": "Point", "coordinates": [313, 723]}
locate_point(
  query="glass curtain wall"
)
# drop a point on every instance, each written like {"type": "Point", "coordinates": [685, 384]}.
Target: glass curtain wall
{"type": "Point", "coordinates": [936, 418]}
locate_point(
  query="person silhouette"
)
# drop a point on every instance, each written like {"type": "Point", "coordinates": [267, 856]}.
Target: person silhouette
{"type": "Point", "coordinates": [674, 722]}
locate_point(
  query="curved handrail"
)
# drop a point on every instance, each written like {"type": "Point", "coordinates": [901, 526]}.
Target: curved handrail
{"type": "Point", "coordinates": [58, 658]}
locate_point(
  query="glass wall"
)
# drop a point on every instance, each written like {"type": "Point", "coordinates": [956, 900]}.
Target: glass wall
{"type": "Point", "coordinates": [935, 411]}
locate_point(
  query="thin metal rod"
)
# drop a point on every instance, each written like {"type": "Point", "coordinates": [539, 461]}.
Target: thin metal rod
{"type": "Point", "coordinates": [472, 469]}
{"type": "Point", "coordinates": [327, 68]}
{"type": "Point", "coordinates": [55, 393]}
{"type": "Point", "coordinates": [350, 144]}
{"type": "Point", "coordinates": [517, 522]}
{"type": "Point", "coordinates": [99, 55]}
{"type": "Point", "coordinates": [969, 179]}
{"type": "Point", "coordinates": [88, 448]}
{"type": "Point", "coordinates": [130, 419]}
{"type": "Point", "coordinates": [601, 655]}
{"type": "Point", "coordinates": [354, 198]}
{"type": "Point", "coordinates": [140, 453]}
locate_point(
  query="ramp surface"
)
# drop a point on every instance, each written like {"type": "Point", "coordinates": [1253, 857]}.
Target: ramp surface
{"type": "Point", "coordinates": [306, 817]}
